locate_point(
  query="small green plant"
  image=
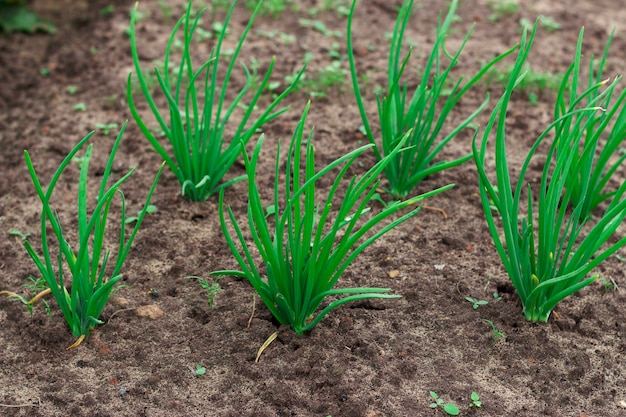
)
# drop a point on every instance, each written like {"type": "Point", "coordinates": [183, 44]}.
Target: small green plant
{"type": "Point", "coordinates": [80, 106]}
{"type": "Point", "coordinates": [608, 284]}
{"type": "Point", "coordinates": [545, 249]}
{"type": "Point", "coordinates": [150, 209]}
{"type": "Point", "coordinates": [496, 333]}
{"type": "Point", "coordinates": [107, 10]}
{"type": "Point", "coordinates": [423, 114]}
{"type": "Point", "coordinates": [71, 90]}
{"type": "Point", "coordinates": [15, 17]}
{"type": "Point", "coordinates": [476, 303]}
{"type": "Point", "coordinates": [199, 370]}
{"type": "Point", "coordinates": [533, 83]}
{"type": "Point", "coordinates": [38, 289]}
{"type": "Point", "coordinates": [197, 126]}
{"type": "Point", "coordinates": [305, 247]}
{"type": "Point", "coordinates": [106, 127]}
{"type": "Point", "coordinates": [211, 288]}
{"type": "Point", "coordinates": [273, 8]}
{"type": "Point", "coordinates": [546, 22]}
{"type": "Point", "coordinates": [502, 8]}
{"type": "Point", "coordinates": [476, 403]}
{"type": "Point", "coordinates": [19, 233]}
{"type": "Point", "coordinates": [92, 278]}
{"type": "Point", "coordinates": [449, 408]}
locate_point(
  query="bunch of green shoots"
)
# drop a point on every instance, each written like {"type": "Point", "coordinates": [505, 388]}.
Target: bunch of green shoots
{"type": "Point", "coordinates": [92, 278]}
{"type": "Point", "coordinates": [546, 247]}
{"type": "Point", "coordinates": [421, 115]}
{"type": "Point", "coordinates": [304, 245]}
{"type": "Point", "coordinates": [595, 161]}
{"type": "Point", "coordinates": [198, 117]}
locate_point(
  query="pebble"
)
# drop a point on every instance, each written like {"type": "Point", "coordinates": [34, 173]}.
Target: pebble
{"type": "Point", "coordinates": [151, 311]}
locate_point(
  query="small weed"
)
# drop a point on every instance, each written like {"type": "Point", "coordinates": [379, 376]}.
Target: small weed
{"type": "Point", "coordinates": [497, 296]}
{"type": "Point", "coordinates": [199, 371]}
{"type": "Point", "coordinates": [475, 400]}
{"type": "Point", "coordinates": [166, 9]}
{"type": "Point", "coordinates": [106, 127]}
{"type": "Point", "coordinates": [107, 10]}
{"type": "Point", "coordinates": [497, 333]}
{"type": "Point", "coordinates": [22, 235]}
{"type": "Point", "coordinates": [476, 303]}
{"type": "Point", "coordinates": [71, 90]}
{"type": "Point", "coordinates": [608, 284]}
{"type": "Point", "coordinates": [546, 22]}
{"type": "Point", "coordinates": [320, 27]}
{"type": "Point", "coordinates": [502, 8]}
{"type": "Point", "coordinates": [534, 83]}
{"type": "Point", "coordinates": [80, 106]}
{"type": "Point", "coordinates": [449, 408]}
{"type": "Point", "coordinates": [151, 208]}
{"type": "Point", "coordinates": [44, 72]}
{"type": "Point", "coordinates": [211, 289]}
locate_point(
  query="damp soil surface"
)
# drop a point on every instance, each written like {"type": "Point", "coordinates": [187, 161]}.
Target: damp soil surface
{"type": "Point", "coordinates": [365, 359]}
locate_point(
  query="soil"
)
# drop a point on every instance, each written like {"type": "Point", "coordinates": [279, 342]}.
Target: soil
{"type": "Point", "coordinates": [375, 358]}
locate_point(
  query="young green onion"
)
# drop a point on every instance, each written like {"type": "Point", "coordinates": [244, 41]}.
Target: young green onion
{"type": "Point", "coordinates": [198, 117]}
{"type": "Point", "coordinates": [596, 160]}
{"type": "Point", "coordinates": [306, 244]}
{"type": "Point", "coordinates": [88, 262]}
{"type": "Point", "coordinates": [422, 115]}
{"type": "Point", "coordinates": [546, 247]}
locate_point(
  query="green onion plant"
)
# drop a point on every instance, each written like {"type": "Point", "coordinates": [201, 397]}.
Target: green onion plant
{"type": "Point", "coordinates": [198, 112]}
{"type": "Point", "coordinates": [306, 243]}
{"type": "Point", "coordinates": [94, 272]}
{"type": "Point", "coordinates": [545, 245]}
{"type": "Point", "coordinates": [424, 113]}
{"type": "Point", "coordinates": [597, 159]}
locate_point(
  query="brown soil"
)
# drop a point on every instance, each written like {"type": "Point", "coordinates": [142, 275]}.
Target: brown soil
{"type": "Point", "coordinates": [364, 359]}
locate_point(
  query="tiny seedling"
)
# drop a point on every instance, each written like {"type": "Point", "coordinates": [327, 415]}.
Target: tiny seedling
{"type": "Point", "coordinates": [199, 371]}
{"type": "Point", "coordinates": [211, 288]}
{"type": "Point", "coordinates": [476, 303]}
{"type": "Point", "coordinates": [80, 106]}
{"type": "Point", "coordinates": [497, 333]}
{"type": "Point", "coordinates": [22, 235]}
{"type": "Point", "coordinates": [106, 127]}
{"type": "Point", "coordinates": [502, 8]}
{"type": "Point", "coordinates": [475, 400]}
{"type": "Point", "coordinates": [608, 284]}
{"type": "Point", "coordinates": [149, 210]}
{"type": "Point", "coordinates": [449, 408]}
{"type": "Point", "coordinates": [71, 90]}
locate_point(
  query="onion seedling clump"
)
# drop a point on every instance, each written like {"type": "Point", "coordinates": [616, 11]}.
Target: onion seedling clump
{"type": "Point", "coordinates": [306, 243]}
{"type": "Point", "coordinates": [198, 112]}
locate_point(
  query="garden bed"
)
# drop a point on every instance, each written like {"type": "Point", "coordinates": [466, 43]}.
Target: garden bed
{"type": "Point", "coordinates": [369, 358]}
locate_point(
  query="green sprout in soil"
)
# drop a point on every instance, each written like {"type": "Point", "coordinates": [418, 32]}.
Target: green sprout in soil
{"type": "Point", "coordinates": [106, 127]}
{"type": "Point", "coordinates": [198, 118]}
{"type": "Point", "coordinates": [304, 245]}
{"type": "Point", "coordinates": [533, 83]}
{"type": "Point", "coordinates": [211, 288]}
{"type": "Point", "coordinates": [199, 370]}
{"type": "Point", "coordinates": [448, 408]}
{"type": "Point", "coordinates": [475, 398]}
{"type": "Point", "coordinates": [547, 245]}
{"type": "Point", "coordinates": [496, 333]}
{"type": "Point", "coordinates": [15, 17]}
{"type": "Point", "coordinates": [502, 8]}
{"type": "Point", "coordinates": [93, 279]}
{"type": "Point", "coordinates": [423, 114]}
{"type": "Point", "coordinates": [476, 303]}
